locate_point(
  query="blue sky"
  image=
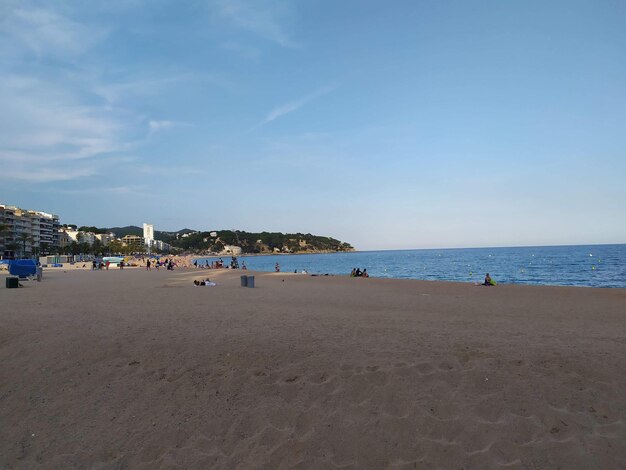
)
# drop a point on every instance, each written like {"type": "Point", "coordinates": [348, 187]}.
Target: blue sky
{"type": "Point", "coordinates": [402, 124]}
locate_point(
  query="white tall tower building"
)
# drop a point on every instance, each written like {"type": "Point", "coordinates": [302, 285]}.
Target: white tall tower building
{"type": "Point", "coordinates": [148, 234]}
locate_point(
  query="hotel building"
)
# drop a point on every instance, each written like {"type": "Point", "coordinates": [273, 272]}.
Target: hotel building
{"type": "Point", "coordinates": [24, 233]}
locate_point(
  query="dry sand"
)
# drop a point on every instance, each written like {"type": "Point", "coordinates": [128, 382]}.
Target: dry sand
{"type": "Point", "coordinates": [137, 369]}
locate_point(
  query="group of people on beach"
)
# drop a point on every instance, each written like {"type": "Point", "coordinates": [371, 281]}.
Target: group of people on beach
{"type": "Point", "coordinates": [168, 263]}
{"type": "Point", "coordinates": [356, 272]}
{"type": "Point", "coordinates": [219, 264]}
{"type": "Point", "coordinates": [100, 265]}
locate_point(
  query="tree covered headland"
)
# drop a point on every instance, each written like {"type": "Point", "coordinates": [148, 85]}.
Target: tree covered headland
{"type": "Point", "coordinates": [214, 241]}
{"type": "Point", "coordinates": [263, 242]}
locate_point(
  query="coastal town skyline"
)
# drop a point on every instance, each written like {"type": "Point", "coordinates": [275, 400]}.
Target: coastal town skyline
{"type": "Point", "coordinates": [416, 125]}
{"type": "Point", "coordinates": [33, 239]}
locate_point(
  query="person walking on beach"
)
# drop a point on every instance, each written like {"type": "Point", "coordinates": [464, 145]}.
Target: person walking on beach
{"type": "Point", "coordinates": [148, 268]}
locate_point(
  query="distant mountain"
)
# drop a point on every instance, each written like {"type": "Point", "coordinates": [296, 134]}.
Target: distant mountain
{"type": "Point", "coordinates": [259, 242]}
{"type": "Point", "coordinates": [250, 242]}
{"type": "Point", "coordinates": [134, 230]}
{"type": "Point", "coordinates": [169, 236]}
{"type": "Point", "coordinates": [123, 231]}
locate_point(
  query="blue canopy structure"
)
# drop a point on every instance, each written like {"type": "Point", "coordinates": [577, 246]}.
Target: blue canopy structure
{"type": "Point", "coordinates": [23, 268]}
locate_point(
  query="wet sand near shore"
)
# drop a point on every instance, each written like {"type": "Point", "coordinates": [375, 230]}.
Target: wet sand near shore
{"type": "Point", "coordinates": [142, 369]}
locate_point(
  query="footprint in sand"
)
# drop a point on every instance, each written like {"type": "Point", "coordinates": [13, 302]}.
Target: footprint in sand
{"type": "Point", "coordinates": [424, 368]}
{"type": "Point", "coordinates": [319, 378]}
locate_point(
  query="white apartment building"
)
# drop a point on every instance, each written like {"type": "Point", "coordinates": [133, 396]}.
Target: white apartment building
{"type": "Point", "coordinates": [79, 236]}
{"type": "Point", "coordinates": [25, 232]}
{"type": "Point", "coordinates": [148, 234]}
{"type": "Point", "coordinates": [105, 238]}
{"type": "Point", "coordinates": [161, 245]}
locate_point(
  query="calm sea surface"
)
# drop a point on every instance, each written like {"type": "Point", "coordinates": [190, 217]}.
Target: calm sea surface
{"type": "Point", "coordinates": [592, 265]}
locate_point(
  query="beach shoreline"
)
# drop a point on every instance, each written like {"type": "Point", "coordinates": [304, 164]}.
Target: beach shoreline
{"type": "Point", "coordinates": [142, 369]}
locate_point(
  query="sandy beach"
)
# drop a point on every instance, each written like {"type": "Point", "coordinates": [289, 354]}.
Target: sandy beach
{"type": "Point", "coordinates": [137, 369]}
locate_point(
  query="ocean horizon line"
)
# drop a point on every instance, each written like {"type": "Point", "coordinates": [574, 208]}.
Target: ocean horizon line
{"type": "Point", "coordinates": [473, 247]}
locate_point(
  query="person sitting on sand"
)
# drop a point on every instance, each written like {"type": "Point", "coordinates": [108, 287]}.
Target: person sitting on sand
{"type": "Point", "coordinates": [489, 281]}
{"type": "Point", "coordinates": [204, 282]}
{"type": "Point", "coordinates": [358, 273]}
{"type": "Point", "coordinates": [364, 273]}
{"type": "Point", "coordinates": [353, 273]}
{"type": "Point", "coordinates": [277, 268]}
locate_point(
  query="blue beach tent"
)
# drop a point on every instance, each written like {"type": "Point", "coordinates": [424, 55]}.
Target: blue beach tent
{"type": "Point", "coordinates": [23, 268]}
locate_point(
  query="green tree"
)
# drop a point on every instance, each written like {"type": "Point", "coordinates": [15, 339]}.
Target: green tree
{"type": "Point", "coordinates": [73, 248]}
{"type": "Point", "coordinates": [4, 229]}
{"type": "Point", "coordinates": [117, 247]}
{"type": "Point", "coordinates": [25, 238]}
{"type": "Point", "coordinates": [97, 247]}
{"type": "Point", "coordinates": [217, 247]}
{"type": "Point", "coordinates": [93, 229]}
{"type": "Point", "coordinates": [13, 247]}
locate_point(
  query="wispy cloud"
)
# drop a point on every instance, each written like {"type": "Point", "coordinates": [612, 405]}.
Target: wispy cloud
{"type": "Point", "coordinates": [117, 93]}
{"type": "Point", "coordinates": [47, 121]}
{"type": "Point", "coordinates": [61, 120]}
{"type": "Point", "coordinates": [49, 128]}
{"type": "Point", "coordinates": [46, 32]}
{"type": "Point", "coordinates": [16, 166]}
{"type": "Point", "coordinates": [98, 190]}
{"type": "Point", "coordinates": [294, 105]}
{"type": "Point", "coordinates": [160, 125]}
{"type": "Point", "coordinates": [184, 170]}
{"type": "Point", "coordinates": [264, 18]}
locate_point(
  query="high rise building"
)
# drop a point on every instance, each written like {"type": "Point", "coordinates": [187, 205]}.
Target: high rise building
{"type": "Point", "coordinates": [148, 233]}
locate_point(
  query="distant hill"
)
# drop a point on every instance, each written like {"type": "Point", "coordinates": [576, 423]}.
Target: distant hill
{"type": "Point", "coordinates": [123, 231]}
{"type": "Point", "coordinates": [260, 242]}
{"type": "Point", "coordinates": [169, 236]}
{"type": "Point", "coordinates": [134, 230]}
{"type": "Point", "coordinates": [249, 242]}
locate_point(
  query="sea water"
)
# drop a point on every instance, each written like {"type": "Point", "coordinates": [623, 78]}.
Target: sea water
{"type": "Point", "coordinates": [585, 265]}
